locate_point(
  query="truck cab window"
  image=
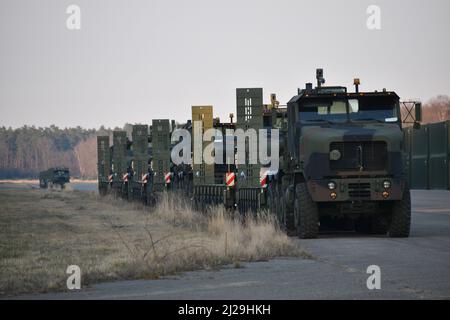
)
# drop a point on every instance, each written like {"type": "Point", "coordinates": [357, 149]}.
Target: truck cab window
{"type": "Point", "coordinates": [323, 111]}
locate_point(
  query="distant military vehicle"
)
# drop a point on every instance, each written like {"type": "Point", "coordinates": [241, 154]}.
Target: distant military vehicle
{"type": "Point", "coordinates": [53, 177]}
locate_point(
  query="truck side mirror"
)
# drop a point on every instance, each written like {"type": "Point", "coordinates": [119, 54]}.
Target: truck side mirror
{"type": "Point", "coordinates": [417, 115]}
{"type": "Point", "coordinates": [418, 111]}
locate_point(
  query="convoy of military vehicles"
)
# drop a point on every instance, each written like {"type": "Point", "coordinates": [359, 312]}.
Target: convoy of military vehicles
{"type": "Point", "coordinates": [341, 157]}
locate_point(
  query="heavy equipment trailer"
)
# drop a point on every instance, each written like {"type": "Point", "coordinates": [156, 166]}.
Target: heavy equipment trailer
{"type": "Point", "coordinates": [341, 156]}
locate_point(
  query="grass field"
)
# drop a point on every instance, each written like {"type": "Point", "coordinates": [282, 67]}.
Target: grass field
{"type": "Point", "coordinates": [45, 231]}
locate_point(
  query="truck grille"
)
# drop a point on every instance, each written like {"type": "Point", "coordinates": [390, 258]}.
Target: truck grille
{"type": "Point", "coordinates": [359, 190]}
{"type": "Point", "coordinates": [371, 155]}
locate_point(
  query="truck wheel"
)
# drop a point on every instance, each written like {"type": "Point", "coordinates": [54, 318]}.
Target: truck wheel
{"type": "Point", "coordinates": [306, 213]}
{"type": "Point", "coordinates": [289, 218]}
{"type": "Point", "coordinates": [401, 217]}
{"type": "Point", "coordinates": [288, 223]}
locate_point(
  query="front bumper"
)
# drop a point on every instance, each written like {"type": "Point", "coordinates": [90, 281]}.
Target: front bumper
{"type": "Point", "coordinates": [360, 189]}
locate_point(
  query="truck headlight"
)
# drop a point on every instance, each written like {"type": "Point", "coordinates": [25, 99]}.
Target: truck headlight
{"type": "Point", "coordinates": [331, 185]}
{"type": "Point", "coordinates": [386, 184]}
{"type": "Point", "coordinates": [335, 155]}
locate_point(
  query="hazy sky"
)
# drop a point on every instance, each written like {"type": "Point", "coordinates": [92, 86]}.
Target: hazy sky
{"type": "Point", "coordinates": [133, 61]}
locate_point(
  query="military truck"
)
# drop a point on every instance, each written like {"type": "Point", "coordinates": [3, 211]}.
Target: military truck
{"type": "Point", "coordinates": [54, 177]}
{"type": "Point", "coordinates": [342, 157]}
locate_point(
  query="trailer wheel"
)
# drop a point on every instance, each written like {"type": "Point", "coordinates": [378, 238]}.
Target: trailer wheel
{"type": "Point", "coordinates": [306, 213]}
{"type": "Point", "coordinates": [401, 216]}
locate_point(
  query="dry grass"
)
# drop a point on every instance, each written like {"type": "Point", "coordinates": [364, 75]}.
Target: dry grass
{"type": "Point", "coordinates": [44, 231]}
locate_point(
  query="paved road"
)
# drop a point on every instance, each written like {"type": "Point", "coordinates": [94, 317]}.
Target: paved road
{"type": "Point", "coordinates": [413, 268]}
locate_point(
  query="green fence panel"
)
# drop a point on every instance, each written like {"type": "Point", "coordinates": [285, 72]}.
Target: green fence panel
{"type": "Point", "coordinates": [419, 158]}
{"type": "Point", "coordinates": [407, 147]}
{"type": "Point", "coordinates": [438, 156]}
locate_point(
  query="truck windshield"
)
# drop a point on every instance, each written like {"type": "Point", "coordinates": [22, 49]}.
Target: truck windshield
{"type": "Point", "coordinates": [324, 111]}
{"type": "Point", "coordinates": [381, 109]}
{"type": "Point", "coordinates": [363, 108]}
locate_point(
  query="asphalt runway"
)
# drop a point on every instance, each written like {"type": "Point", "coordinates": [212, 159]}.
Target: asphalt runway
{"type": "Point", "coordinates": [413, 268]}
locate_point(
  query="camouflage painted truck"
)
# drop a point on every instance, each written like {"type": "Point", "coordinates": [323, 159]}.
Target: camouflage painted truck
{"type": "Point", "coordinates": [53, 177]}
{"type": "Point", "coordinates": [342, 158]}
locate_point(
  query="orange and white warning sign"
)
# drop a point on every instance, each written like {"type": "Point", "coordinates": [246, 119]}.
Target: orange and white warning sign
{"type": "Point", "coordinates": [230, 178]}
{"type": "Point", "coordinates": [167, 177]}
{"type": "Point", "coordinates": [263, 180]}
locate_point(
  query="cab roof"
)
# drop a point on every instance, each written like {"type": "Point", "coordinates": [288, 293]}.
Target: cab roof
{"type": "Point", "coordinates": [338, 92]}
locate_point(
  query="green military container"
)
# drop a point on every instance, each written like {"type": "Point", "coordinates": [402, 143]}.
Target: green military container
{"type": "Point", "coordinates": [202, 120]}
{"type": "Point", "coordinates": [139, 148]}
{"type": "Point", "coordinates": [119, 162]}
{"type": "Point", "coordinates": [249, 105]}
{"type": "Point", "coordinates": [140, 160]}
{"type": "Point", "coordinates": [161, 135]}
{"type": "Point", "coordinates": [103, 163]}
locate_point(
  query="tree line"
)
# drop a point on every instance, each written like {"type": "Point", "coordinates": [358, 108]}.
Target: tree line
{"type": "Point", "coordinates": [26, 151]}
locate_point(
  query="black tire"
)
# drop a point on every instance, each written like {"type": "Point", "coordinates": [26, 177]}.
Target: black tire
{"type": "Point", "coordinates": [288, 215]}
{"type": "Point", "coordinates": [401, 217]}
{"type": "Point", "coordinates": [306, 213]}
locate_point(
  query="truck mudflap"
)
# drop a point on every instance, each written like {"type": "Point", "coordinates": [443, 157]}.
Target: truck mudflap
{"type": "Point", "coordinates": [367, 189]}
